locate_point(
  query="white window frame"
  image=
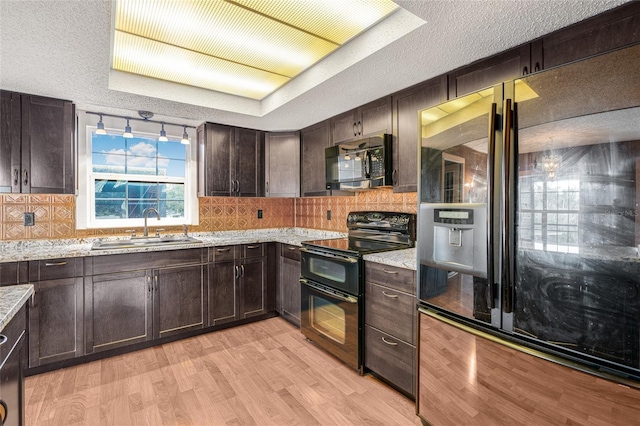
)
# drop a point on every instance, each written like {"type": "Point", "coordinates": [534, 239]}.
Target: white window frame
{"type": "Point", "coordinates": [85, 203]}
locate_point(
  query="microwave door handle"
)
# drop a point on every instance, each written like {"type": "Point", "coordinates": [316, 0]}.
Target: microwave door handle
{"type": "Point", "coordinates": [367, 165]}
{"type": "Point", "coordinates": [345, 298]}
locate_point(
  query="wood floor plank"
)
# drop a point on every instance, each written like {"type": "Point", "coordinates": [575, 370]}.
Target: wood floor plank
{"type": "Point", "coordinates": [265, 373]}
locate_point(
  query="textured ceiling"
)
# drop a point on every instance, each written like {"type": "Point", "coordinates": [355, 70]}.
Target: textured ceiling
{"type": "Point", "coordinates": [62, 49]}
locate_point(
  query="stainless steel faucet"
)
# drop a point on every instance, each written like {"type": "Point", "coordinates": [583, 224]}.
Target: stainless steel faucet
{"type": "Point", "coordinates": [145, 213]}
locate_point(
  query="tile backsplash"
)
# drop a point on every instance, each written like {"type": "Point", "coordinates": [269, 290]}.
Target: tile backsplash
{"type": "Point", "coordinates": [55, 214]}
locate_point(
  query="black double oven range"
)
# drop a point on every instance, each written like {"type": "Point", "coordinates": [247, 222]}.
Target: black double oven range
{"type": "Point", "coordinates": [332, 280]}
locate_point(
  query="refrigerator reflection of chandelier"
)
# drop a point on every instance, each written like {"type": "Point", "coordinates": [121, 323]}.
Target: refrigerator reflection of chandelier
{"type": "Point", "coordinates": [547, 199]}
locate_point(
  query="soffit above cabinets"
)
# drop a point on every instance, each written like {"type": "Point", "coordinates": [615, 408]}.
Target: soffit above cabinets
{"type": "Point", "coordinates": [248, 48]}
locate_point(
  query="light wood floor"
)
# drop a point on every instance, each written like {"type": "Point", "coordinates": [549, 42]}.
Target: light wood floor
{"type": "Point", "coordinates": [264, 373]}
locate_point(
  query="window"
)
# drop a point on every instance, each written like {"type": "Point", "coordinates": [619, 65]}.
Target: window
{"type": "Point", "coordinates": [124, 177]}
{"type": "Point", "coordinates": [548, 214]}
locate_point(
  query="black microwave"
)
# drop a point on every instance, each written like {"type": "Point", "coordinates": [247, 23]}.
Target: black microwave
{"type": "Point", "coordinates": [361, 164]}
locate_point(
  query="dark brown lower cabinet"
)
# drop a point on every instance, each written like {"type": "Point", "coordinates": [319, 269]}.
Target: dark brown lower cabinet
{"type": "Point", "coordinates": [222, 293]}
{"type": "Point", "coordinates": [238, 288]}
{"type": "Point", "coordinates": [12, 364]}
{"type": "Point", "coordinates": [118, 310]}
{"type": "Point", "coordinates": [390, 312]}
{"type": "Point", "coordinates": [180, 299]}
{"type": "Point", "coordinates": [468, 377]}
{"type": "Point", "coordinates": [56, 321]}
{"type": "Point", "coordinates": [289, 284]}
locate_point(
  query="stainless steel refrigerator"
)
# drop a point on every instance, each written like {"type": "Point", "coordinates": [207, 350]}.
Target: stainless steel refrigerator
{"type": "Point", "coordinates": [529, 218]}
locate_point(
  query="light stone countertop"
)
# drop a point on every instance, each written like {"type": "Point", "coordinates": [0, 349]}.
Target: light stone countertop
{"type": "Point", "coordinates": [14, 251]}
{"type": "Point", "coordinates": [400, 258]}
{"type": "Point", "coordinates": [12, 298]}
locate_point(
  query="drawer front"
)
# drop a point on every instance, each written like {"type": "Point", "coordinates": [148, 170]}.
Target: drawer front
{"type": "Point", "coordinates": [390, 276]}
{"type": "Point", "coordinates": [223, 253]}
{"type": "Point", "coordinates": [391, 311]}
{"type": "Point", "coordinates": [290, 252]}
{"type": "Point", "coordinates": [390, 358]}
{"type": "Point", "coordinates": [11, 333]}
{"type": "Point", "coordinates": [253, 250]}
{"type": "Point", "coordinates": [108, 264]}
{"type": "Point", "coordinates": [53, 269]}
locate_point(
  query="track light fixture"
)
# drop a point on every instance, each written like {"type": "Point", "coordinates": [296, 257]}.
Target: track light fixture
{"type": "Point", "coordinates": [185, 137]}
{"type": "Point", "coordinates": [100, 127]}
{"type": "Point", "coordinates": [146, 115]}
{"type": "Point", "coordinates": [127, 131]}
{"type": "Point", "coordinates": [163, 135]}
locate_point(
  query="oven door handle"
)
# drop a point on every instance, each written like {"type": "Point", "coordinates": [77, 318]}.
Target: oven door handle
{"type": "Point", "coordinates": [343, 297]}
{"type": "Point", "coordinates": [332, 256]}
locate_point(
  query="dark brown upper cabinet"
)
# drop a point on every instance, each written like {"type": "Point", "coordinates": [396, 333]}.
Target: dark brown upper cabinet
{"type": "Point", "coordinates": [313, 141]}
{"type": "Point", "coordinates": [37, 137]}
{"type": "Point", "coordinates": [230, 161]}
{"type": "Point", "coordinates": [406, 138]}
{"type": "Point", "coordinates": [504, 66]}
{"type": "Point", "coordinates": [369, 119]}
{"type": "Point", "coordinates": [617, 28]}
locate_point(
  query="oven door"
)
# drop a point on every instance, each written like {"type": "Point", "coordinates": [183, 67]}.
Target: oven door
{"type": "Point", "coordinates": [331, 319]}
{"type": "Point", "coordinates": [341, 272]}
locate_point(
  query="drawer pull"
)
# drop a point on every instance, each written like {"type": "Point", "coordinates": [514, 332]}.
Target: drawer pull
{"type": "Point", "coordinates": [291, 248]}
{"type": "Point", "coordinates": [390, 272]}
{"type": "Point", "coordinates": [222, 250]}
{"type": "Point", "coordinates": [3, 339]}
{"type": "Point", "coordinates": [390, 296]}
{"type": "Point", "coordinates": [55, 263]}
{"type": "Point", "coordinates": [388, 342]}
{"type": "Point", "coordinates": [252, 247]}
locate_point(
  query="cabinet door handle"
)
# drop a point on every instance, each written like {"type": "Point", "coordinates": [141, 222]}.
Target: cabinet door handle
{"type": "Point", "coordinates": [155, 282]}
{"type": "Point", "coordinates": [3, 339]}
{"type": "Point", "coordinates": [237, 273]}
{"type": "Point", "coordinates": [359, 127]}
{"type": "Point", "coordinates": [525, 70]}
{"type": "Point", "coordinates": [55, 263]}
{"type": "Point", "coordinates": [394, 174]}
{"type": "Point", "coordinates": [242, 269]}
{"type": "Point", "coordinates": [355, 129]}
{"type": "Point", "coordinates": [388, 342]}
{"type": "Point", "coordinates": [390, 296]}
{"type": "Point", "coordinates": [237, 186]}
{"type": "Point", "coordinates": [149, 284]}
{"type": "Point", "coordinates": [16, 176]}
{"type": "Point", "coordinates": [536, 67]}
{"type": "Point", "coordinates": [390, 272]}
{"type": "Point", "coordinates": [267, 187]}
{"type": "Point", "coordinates": [232, 185]}
{"type": "Point", "coordinates": [26, 177]}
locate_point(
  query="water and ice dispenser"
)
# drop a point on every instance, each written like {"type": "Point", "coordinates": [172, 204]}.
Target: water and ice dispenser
{"type": "Point", "coordinates": [453, 236]}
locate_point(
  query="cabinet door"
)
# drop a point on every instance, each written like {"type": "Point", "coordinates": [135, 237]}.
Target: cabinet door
{"type": "Point", "coordinates": [10, 167]}
{"type": "Point", "coordinates": [314, 140]}
{"type": "Point", "coordinates": [12, 365]}
{"type": "Point", "coordinates": [253, 287]}
{"type": "Point", "coordinates": [375, 117]}
{"type": "Point", "coordinates": [344, 127]}
{"type": "Point", "coordinates": [117, 310]}
{"type": "Point", "coordinates": [282, 164]}
{"type": "Point", "coordinates": [215, 143]}
{"type": "Point", "coordinates": [487, 72]}
{"type": "Point", "coordinates": [55, 321]}
{"type": "Point", "coordinates": [223, 299]}
{"type": "Point", "coordinates": [180, 299]}
{"type": "Point", "coordinates": [247, 160]}
{"type": "Point", "coordinates": [290, 289]}
{"type": "Point", "coordinates": [48, 155]}
{"type": "Point", "coordinates": [617, 28]}
{"type": "Point", "coordinates": [406, 141]}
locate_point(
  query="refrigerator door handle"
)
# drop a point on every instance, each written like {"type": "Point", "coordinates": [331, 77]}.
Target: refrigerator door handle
{"type": "Point", "coordinates": [508, 207]}
{"type": "Point", "coordinates": [491, 275]}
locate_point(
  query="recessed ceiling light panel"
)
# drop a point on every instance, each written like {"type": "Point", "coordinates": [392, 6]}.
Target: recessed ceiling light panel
{"type": "Point", "coordinates": [215, 44]}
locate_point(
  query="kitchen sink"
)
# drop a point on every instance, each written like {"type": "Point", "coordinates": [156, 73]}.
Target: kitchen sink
{"type": "Point", "coordinates": [139, 242]}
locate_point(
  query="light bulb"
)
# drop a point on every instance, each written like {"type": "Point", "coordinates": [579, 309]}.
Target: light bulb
{"type": "Point", "coordinates": [163, 135]}
{"type": "Point", "coordinates": [185, 137]}
{"type": "Point", "coordinates": [127, 131]}
{"type": "Point", "coordinates": [100, 127]}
